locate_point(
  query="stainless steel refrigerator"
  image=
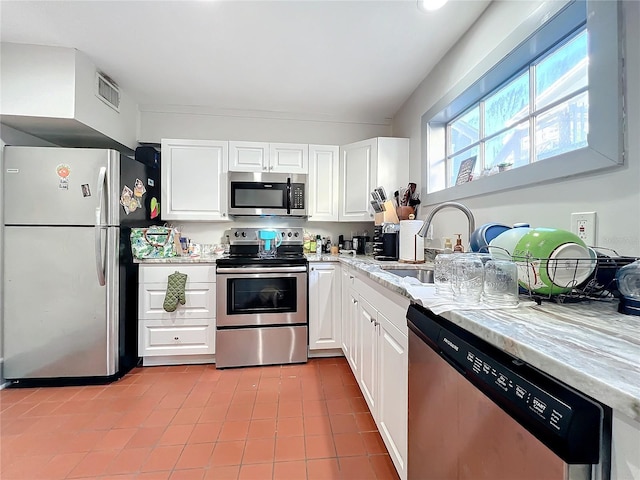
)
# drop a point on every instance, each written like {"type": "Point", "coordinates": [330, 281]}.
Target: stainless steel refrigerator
{"type": "Point", "coordinates": [70, 284]}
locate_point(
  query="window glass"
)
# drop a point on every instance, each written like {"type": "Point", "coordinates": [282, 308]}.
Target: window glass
{"type": "Point", "coordinates": [562, 72]}
{"type": "Point", "coordinates": [507, 105]}
{"type": "Point", "coordinates": [465, 130]}
{"type": "Point", "coordinates": [563, 128]}
{"type": "Point", "coordinates": [510, 148]}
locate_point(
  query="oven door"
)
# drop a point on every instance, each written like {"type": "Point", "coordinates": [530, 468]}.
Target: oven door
{"type": "Point", "coordinates": [259, 296]}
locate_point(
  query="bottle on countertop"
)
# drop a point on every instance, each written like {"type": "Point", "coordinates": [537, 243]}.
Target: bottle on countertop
{"type": "Point", "coordinates": [448, 246]}
{"type": "Point", "coordinates": [318, 245]}
{"type": "Point", "coordinates": [306, 245]}
{"type": "Point", "coordinates": [312, 244]}
{"type": "Point", "coordinates": [458, 248]}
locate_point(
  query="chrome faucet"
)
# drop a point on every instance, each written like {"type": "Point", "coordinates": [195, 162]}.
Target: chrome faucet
{"type": "Point", "coordinates": [459, 206]}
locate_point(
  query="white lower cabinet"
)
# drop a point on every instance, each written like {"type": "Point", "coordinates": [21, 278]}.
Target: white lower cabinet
{"type": "Point", "coordinates": [377, 352]}
{"type": "Point", "coordinates": [324, 306]}
{"type": "Point", "coordinates": [186, 335]}
{"type": "Point", "coordinates": [393, 389]}
{"type": "Point", "coordinates": [349, 316]}
{"type": "Point", "coordinates": [368, 325]}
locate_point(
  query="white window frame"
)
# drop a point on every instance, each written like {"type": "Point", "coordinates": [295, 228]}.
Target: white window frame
{"type": "Point", "coordinates": [541, 30]}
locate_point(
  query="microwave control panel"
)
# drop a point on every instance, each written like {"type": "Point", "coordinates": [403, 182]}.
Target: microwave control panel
{"type": "Point", "coordinates": [297, 196]}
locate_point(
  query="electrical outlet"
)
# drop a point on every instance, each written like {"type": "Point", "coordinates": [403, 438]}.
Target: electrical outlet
{"type": "Point", "coordinates": [583, 224]}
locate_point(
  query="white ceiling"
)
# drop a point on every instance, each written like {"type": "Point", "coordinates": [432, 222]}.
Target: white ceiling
{"type": "Point", "coordinates": [348, 60]}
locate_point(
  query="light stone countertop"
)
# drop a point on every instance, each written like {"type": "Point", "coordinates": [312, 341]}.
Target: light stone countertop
{"type": "Point", "coordinates": [587, 345]}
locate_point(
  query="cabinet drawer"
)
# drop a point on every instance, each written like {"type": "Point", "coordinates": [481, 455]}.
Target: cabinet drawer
{"type": "Point", "coordinates": [200, 301]}
{"type": "Point", "coordinates": [162, 337]}
{"type": "Point", "coordinates": [159, 273]}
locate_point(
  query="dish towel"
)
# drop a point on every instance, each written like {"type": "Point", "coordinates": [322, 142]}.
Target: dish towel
{"type": "Point", "coordinates": [425, 295]}
{"type": "Point", "coordinates": [175, 291]}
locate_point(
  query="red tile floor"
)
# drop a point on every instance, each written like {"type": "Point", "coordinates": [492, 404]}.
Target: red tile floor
{"type": "Point", "coordinates": [195, 422]}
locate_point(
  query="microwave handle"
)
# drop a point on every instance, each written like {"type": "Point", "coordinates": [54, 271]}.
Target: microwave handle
{"type": "Point", "coordinates": [289, 196]}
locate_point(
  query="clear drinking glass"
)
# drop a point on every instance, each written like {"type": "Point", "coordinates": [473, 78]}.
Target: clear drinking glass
{"type": "Point", "coordinates": [500, 283]}
{"type": "Point", "coordinates": [467, 279]}
{"type": "Point", "coordinates": [442, 274]}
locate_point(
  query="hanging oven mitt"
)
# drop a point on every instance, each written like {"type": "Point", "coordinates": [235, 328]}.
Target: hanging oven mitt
{"type": "Point", "coordinates": [175, 291]}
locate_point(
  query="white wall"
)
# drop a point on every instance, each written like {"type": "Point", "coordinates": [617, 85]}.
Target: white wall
{"type": "Point", "coordinates": [89, 109]}
{"type": "Point", "coordinates": [156, 123]}
{"type": "Point", "coordinates": [30, 73]}
{"type": "Point", "coordinates": [613, 194]}
{"type": "Point", "coordinates": [205, 124]}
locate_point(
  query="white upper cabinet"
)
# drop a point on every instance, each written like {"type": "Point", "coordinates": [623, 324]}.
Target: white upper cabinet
{"type": "Point", "coordinates": [289, 157]}
{"type": "Point", "coordinates": [268, 157]}
{"type": "Point", "coordinates": [194, 180]}
{"type": "Point", "coordinates": [357, 178]}
{"type": "Point", "coordinates": [248, 157]}
{"type": "Point", "coordinates": [365, 165]}
{"type": "Point", "coordinates": [323, 185]}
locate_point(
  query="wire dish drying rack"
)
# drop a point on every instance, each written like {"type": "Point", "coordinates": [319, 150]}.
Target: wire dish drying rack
{"type": "Point", "coordinates": [573, 279]}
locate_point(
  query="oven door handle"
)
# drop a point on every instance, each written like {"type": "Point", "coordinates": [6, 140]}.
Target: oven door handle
{"type": "Point", "coordinates": [269, 269]}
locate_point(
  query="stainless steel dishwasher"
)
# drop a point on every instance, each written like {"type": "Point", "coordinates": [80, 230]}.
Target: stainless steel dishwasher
{"type": "Point", "coordinates": [476, 412]}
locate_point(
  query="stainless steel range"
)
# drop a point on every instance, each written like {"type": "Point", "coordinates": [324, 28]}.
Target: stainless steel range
{"type": "Point", "coordinates": [261, 299]}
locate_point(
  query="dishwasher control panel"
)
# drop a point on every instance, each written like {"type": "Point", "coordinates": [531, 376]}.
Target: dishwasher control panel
{"type": "Point", "coordinates": [540, 404]}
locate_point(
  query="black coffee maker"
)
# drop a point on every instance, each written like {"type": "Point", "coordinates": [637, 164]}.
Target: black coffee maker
{"type": "Point", "coordinates": [386, 238]}
{"type": "Point", "coordinates": [359, 243]}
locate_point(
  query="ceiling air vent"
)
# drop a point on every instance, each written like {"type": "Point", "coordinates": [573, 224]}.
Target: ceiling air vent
{"type": "Point", "coordinates": [107, 91]}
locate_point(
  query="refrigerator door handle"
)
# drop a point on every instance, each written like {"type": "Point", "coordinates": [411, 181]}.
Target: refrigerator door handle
{"type": "Point", "coordinates": [99, 227]}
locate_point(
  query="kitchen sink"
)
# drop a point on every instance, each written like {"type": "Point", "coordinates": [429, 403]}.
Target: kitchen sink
{"type": "Point", "coordinates": [424, 275]}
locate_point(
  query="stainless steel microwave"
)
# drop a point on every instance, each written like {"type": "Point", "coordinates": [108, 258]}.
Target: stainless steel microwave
{"type": "Point", "coordinates": [267, 194]}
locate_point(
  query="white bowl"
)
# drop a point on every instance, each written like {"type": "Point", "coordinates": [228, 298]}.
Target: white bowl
{"type": "Point", "coordinates": [570, 265]}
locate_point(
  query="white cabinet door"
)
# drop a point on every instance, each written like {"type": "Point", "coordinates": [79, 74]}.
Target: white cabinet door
{"type": "Point", "coordinates": [324, 166]}
{"type": "Point", "coordinates": [194, 183]}
{"type": "Point", "coordinates": [324, 306]}
{"type": "Point", "coordinates": [393, 368]}
{"type": "Point", "coordinates": [357, 175]}
{"type": "Point", "coordinates": [355, 342]}
{"type": "Point", "coordinates": [347, 319]}
{"type": "Point", "coordinates": [248, 156]}
{"type": "Point", "coordinates": [367, 320]}
{"type": "Point", "coordinates": [393, 164]}
{"type": "Point", "coordinates": [289, 157]}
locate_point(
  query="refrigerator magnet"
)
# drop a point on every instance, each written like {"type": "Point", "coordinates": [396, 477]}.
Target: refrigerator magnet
{"type": "Point", "coordinates": [63, 171]}
{"type": "Point", "coordinates": [155, 208]}
{"type": "Point", "coordinates": [125, 199]}
{"type": "Point", "coordinates": [85, 190]}
{"type": "Point", "coordinates": [138, 189]}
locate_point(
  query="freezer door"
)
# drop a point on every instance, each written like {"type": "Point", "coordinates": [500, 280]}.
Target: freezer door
{"type": "Point", "coordinates": [144, 181]}
{"type": "Point", "coordinates": [58, 321]}
{"type": "Point", "coordinates": [58, 186]}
